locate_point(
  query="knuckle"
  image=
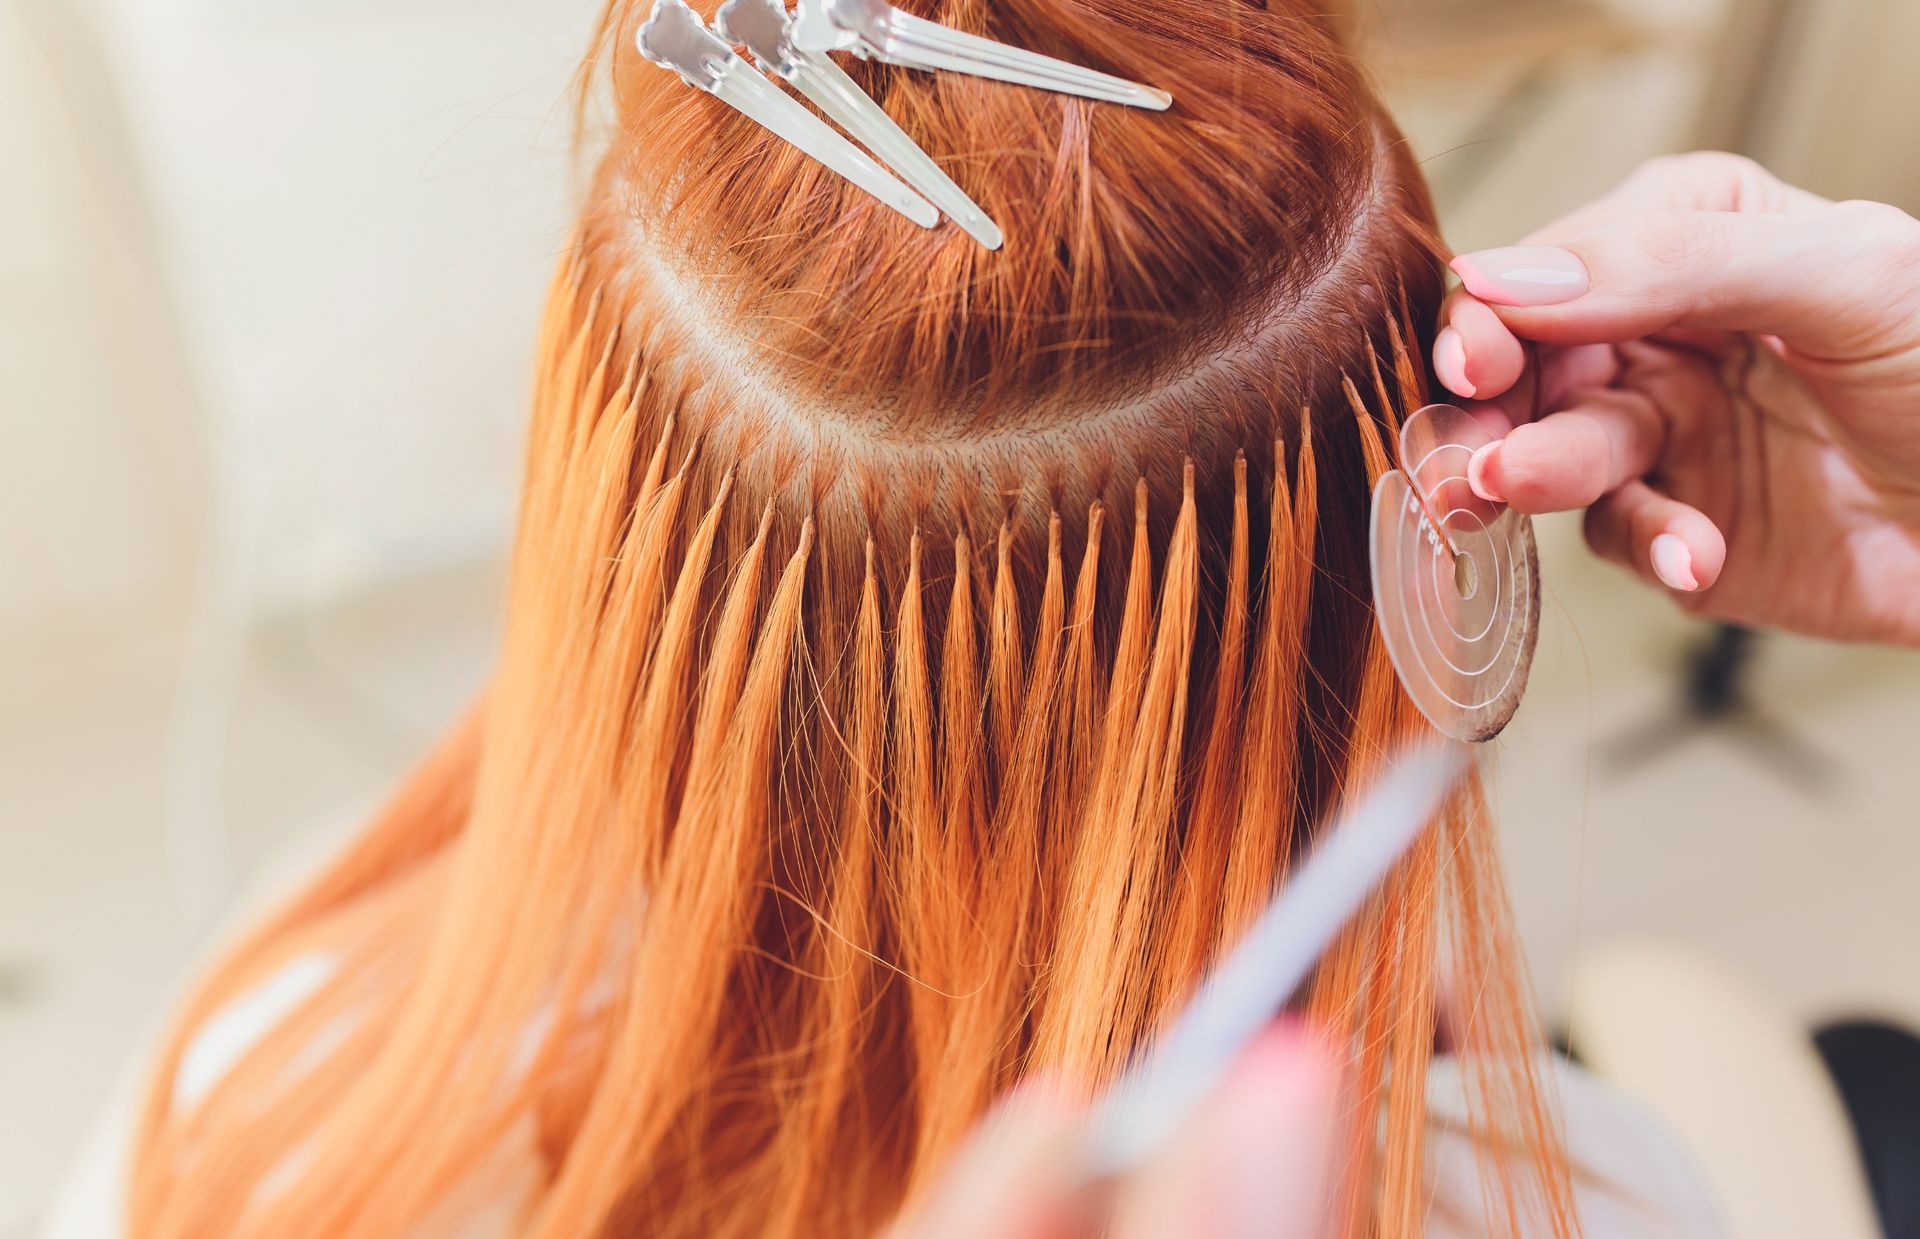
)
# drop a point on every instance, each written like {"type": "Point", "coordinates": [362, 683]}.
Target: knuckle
{"type": "Point", "coordinates": [1725, 167]}
{"type": "Point", "coordinates": [1704, 168]}
{"type": "Point", "coordinates": [1720, 164]}
{"type": "Point", "coordinates": [1883, 243]}
{"type": "Point", "coordinates": [1890, 230]}
{"type": "Point", "coordinates": [1733, 164]}
{"type": "Point", "coordinates": [1677, 243]}
{"type": "Point", "coordinates": [1867, 216]}
{"type": "Point", "coordinates": [1669, 167]}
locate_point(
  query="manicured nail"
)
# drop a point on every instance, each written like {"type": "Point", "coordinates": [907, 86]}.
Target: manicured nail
{"type": "Point", "coordinates": [1523, 275]}
{"type": "Point", "coordinates": [1483, 468]}
{"type": "Point", "coordinates": [1673, 563]}
{"type": "Point", "coordinates": [1450, 362]}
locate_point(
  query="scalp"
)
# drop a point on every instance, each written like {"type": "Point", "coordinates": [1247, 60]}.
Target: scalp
{"type": "Point", "coordinates": [1174, 285]}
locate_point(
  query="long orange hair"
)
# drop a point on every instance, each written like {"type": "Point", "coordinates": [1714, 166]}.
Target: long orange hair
{"type": "Point", "coordinates": [920, 661]}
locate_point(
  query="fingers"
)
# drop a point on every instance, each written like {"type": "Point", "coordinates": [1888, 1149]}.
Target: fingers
{"type": "Point", "coordinates": [1258, 1159]}
{"type": "Point", "coordinates": [1571, 458]}
{"type": "Point", "coordinates": [1006, 1178]}
{"type": "Point", "coordinates": [1254, 1162]}
{"type": "Point", "coordinates": [1836, 282]}
{"type": "Point", "coordinates": [1495, 361]}
{"type": "Point", "coordinates": [1660, 539]}
{"type": "Point", "coordinates": [1699, 181]}
{"type": "Point", "coordinates": [1475, 355]}
{"type": "Point", "coordinates": [1481, 357]}
{"type": "Point", "coordinates": [1714, 181]}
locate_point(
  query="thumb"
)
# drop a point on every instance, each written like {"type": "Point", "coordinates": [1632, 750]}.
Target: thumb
{"type": "Point", "coordinates": [1837, 283]}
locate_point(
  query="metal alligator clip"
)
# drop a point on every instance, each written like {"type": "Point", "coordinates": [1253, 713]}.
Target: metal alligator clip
{"type": "Point", "coordinates": [674, 37]}
{"type": "Point", "coordinates": [765, 29]}
{"type": "Point", "coordinates": [876, 29]}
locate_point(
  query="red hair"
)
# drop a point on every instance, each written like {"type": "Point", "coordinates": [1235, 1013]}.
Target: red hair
{"type": "Point", "coordinates": [920, 662]}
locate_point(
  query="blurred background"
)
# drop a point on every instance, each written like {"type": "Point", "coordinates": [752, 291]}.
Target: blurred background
{"type": "Point", "coordinates": [269, 275]}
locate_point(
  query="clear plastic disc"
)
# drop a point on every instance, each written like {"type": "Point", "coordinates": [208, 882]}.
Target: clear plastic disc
{"type": "Point", "coordinates": [1456, 580]}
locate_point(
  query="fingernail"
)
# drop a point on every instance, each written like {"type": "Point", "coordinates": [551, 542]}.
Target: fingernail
{"type": "Point", "coordinates": [1523, 275]}
{"type": "Point", "coordinates": [1673, 563]}
{"type": "Point", "coordinates": [1450, 362]}
{"type": "Point", "coordinates": [1481, 468]}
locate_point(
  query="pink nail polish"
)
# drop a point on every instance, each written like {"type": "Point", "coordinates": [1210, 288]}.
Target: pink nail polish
{"type": "Point", "coordinates": [1450, 362]}
{"type": "Point", "coordinates": [1478, 467]}
{"type": "Point", "coordinates": [1673, 563]}
{"type": "Point", "coordinates": [1523, 275]}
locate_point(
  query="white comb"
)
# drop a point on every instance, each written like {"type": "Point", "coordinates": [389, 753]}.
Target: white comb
{"type": "Point", "coordinates": [877, 30]}
{"type": "Point", "coordinates": [1147, 1106]}
{"type": "Point", "coordinates": [674, 37]}
{"type": "Point", "coordinates": [765, 29]}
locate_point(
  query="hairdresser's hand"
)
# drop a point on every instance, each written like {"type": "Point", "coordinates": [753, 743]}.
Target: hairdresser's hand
{"type": "Point", "coordinates": [1255, 1163]}
{"type": "Point", "coordinates": [1730, 385]}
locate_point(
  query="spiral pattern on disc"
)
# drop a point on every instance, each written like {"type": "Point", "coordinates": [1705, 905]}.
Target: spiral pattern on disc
{"type": "Point", "coordinates": [1456, 580]}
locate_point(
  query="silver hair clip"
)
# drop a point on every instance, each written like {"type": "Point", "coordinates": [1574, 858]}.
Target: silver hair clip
{"type": "Point", "coordinates": [764, 28]}
{"type": "Point", "coordinates": [674, 37]}
{"type": "Point", "coordinates": [877, 30]}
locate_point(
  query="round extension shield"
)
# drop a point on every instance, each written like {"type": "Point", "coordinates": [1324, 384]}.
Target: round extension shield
{"type": "Point", "coordinates": [1456, 580]}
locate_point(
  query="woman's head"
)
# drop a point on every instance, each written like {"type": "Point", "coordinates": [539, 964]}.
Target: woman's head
{"type": "Point", "coordinates": [919, 661]}
{"type": "Point", "coordinates": [1171, 281]}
